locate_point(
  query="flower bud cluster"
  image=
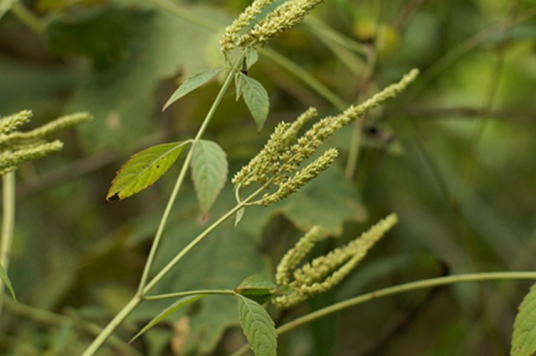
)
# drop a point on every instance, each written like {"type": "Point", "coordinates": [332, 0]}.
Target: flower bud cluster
{"type": "Point", "coordinates": [282, 18]}
{"type": "Point", "coordinates": [16, 146]}
{"type": "Point", "coordinates": [324, 272]}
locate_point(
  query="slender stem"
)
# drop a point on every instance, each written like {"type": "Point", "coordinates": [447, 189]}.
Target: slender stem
{"type": "Point", "coordinates": [191, 292]}
{"type": "Point", "coordinates": [406, 287]}
{"type": "Point", "coordinates": [8, 224]}
{"type": "Point", "coordinates": [112, 326]}
{"type": "Point", "coordinates": [195, 241]}
{"type": "Point", "coordinates": [145, 287]}
{"type": "Point", "coordinates": [182, 174]}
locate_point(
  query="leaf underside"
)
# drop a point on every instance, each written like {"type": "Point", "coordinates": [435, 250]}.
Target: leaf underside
{"type": "Point", "coordinates": [191, 84]}
{"type": "Point", "coordinates": [255, 97]}
{"type": "Point", "coordinates": [209, 172]}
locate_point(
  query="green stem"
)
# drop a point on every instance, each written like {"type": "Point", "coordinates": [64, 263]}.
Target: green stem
{"type": "Point", "coordinates": [8, 224]}
{"type": "Point", "coordinates": [191, 292]}
{"type": "Point", "coordinates": [406, 287]}
{"type": "Point", "coordinates": [145, 287]}
{"type": "Point", "coordinates": [195, 241]}
{"type": "Point", "coordinates": [112, 326]}
{"type": "Point", "coordinates": [182, 174]}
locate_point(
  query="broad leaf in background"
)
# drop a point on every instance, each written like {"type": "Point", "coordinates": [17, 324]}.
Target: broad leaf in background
{"type": "Point", "coordinates": [329, 208]}
{"type": "Point", "coordinates": [258, 327]}
{"type": "Point", "coordinates": [524, 337]}
{"type": "Point", "coordinates": [209, 172]}
{"type": "Point", "coordinates": [255, 97]}
{"type": "Point", "coordinates": [191, 84]}
{"type": "Point", "coordinates": [6, 281]}
{"type": "Point", "coordinates": [143, 169]}
{"type": "Point", "coordinates": [131, 50]}
{"type": "Point", "coordinates": [179, 304]}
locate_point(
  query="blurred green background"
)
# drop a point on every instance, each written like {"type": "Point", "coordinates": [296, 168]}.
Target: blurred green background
{"type": "Point", "coordinates": [454, 156]}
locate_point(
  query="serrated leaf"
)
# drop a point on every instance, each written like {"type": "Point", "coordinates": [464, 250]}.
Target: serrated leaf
{"type": "Point", "coordinates": [258, 327]}
{"type": "Point", "coordinates": [255, 97]}
{"type": "Point", "coordinates": [256, 281]}
{"type": "Point", "coordinates": [191, 84]}
{"type": "Point", "coordinates": [143, 169]}
{"type": "Point", "coordinates": [524, 336]}
{"type": "Point", "coordinates": [7, 282]}
{"type": "Point", "coordinates": [209, 172]}
{"type": "Point", "coordinates": [256, 287]}
{"type": "Point", "coordinates": [181, 303]}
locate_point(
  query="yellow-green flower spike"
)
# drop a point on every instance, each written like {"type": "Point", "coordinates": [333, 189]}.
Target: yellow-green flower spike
{"type": "Point", "coordinates": [324, 272]}
{"type": "Point", "coordinates": [10, 123]}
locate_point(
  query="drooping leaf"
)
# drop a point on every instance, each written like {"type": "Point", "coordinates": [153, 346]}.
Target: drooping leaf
{"type": "Point", "coordinates": [191, 84]}
{"type": "Point", "coordinates": [143, 169]}
{"type": "Point", "coordinates": [524, 336]}
{"type": "Point", "coordinates": [251, 57]}
{"type": "Point", "coordinates": [209, 172]}
{"type": "Point", "coordinates": [258, 327]}
{"type": "Point", "coordinates": [255, 97]}
{"type": "Point", "coordinates": [256, 287]}
{"type": "Point", "coordinates": [181, 303]}
{"type": "Point", "coordinates": [7, 282]}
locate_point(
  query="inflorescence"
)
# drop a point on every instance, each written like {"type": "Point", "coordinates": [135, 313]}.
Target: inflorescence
{"type": "Point", "coordinates": [278, 162]}
{"type": "Point", "coordinates": [323, 273]}
{"type": "Point", "coordinates": [282, 18]}
{"type": "Point", "coordinates": [17, 147]}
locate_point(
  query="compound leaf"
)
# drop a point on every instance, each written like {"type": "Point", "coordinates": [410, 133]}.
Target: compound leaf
{"type": "Point", "coordinates": [143, 169]}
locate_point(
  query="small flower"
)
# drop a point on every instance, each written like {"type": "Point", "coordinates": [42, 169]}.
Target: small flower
{"type": "Point", "coordinates": [17, 147]}
{"type": "Point", "coordinates": [277, 164]}
{"type": "Point", "coordinates": [324, 272]}
{"type": "Point", "coordinates": [282, 18]}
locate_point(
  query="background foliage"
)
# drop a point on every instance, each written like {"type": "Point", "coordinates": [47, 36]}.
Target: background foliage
{"type": "Point", "coordinates": [453, 156]}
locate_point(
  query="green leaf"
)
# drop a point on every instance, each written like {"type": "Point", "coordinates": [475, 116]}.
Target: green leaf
{"type": "Point", "coordinates": [140, 48]}
{"type": "Point", "coordinates": [143, 169]}
{"type": "Point", "coordinates": [209, 172]}
{"type": "Point", "coordinates": [181, 303]}
{"type": "Point", "coordinates": [191, 84]}
{"type": "Point", "coordinates": [256, 287]}
{"type": "Point", "coordinates": [256, 98]}
{"type": "Point", "coordinates": [258, 327]}
{"type": "Point", "coordinates": [524, 336]}
{"type": "Point", "coordinates": [7, 282]}
{"type": "Point", "coordinates": [251, 57]}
